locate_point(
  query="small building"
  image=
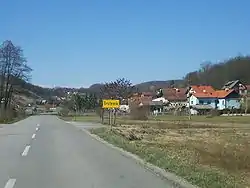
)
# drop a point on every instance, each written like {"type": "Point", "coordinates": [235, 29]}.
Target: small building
{"type": "Point", "coordinates": [175, 96]}
{"type": "Point", "coordinates": [217, 99]}
{"type": "Point", "coordinates": [203, 98]}
{"type": "Point", "coordinates": [228, 99]}
{"type": "Point", "coordinates": [236, 85]}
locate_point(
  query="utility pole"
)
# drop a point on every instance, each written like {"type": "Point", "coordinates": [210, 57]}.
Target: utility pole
{"type": "Point", "coordinates": [246, 103]}
{"type": "Point", "coordinates": [188, 97]}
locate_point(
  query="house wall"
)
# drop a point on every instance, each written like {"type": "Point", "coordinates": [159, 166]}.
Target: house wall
{"type": "Point", "coordinates": [222, 104]}
{"type": "Point", "coordinates": [232, 102]}
{"type": "Point", "coordinates": [193, 100]}
{"type": "Point", "coordinates": [209, 101]}
{"type": "Point", "coordinates": [228, 103]}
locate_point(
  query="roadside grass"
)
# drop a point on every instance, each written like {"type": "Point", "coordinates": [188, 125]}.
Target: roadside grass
{"type": "Point", "coordinates": [166, 119]}
{"type": "Point", "coordinates": [12, 120]}
{"type": "Point", "coordinates": [81, 118]}
{"type": "Point", "coordinates": [215, 119]}
{"type": "Point", "coordinates": [207, 157]}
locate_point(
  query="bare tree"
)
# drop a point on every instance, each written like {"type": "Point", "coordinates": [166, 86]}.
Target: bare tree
{"type": "Point", "coordinates": [204, 72]}
{"type": "Point", "coordinates": [120, 89]}
{"type": "Point", "coordinates": [13, 67]}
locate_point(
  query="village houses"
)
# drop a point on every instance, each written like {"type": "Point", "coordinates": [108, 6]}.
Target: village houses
{"type": "Point", "coordinates": [207, 98]}
{"type": "Point", "coordinates": [196, 97]}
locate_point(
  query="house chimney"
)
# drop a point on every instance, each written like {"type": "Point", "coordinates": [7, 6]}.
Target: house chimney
{"type": "Point", "coordinates": [204, 90]}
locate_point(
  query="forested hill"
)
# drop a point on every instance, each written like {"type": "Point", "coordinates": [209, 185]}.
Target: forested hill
{"type": "Point", "coordinates": [217, 75]}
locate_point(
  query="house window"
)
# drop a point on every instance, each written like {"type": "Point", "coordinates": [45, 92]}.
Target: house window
{"type": "Point", "coordinates": [192, 102]}
{"type": "Point", "coordinates": [223, 102]}
{"type": "Point", "coordinates": [208, 102]}
{"type": "Point", "coordinates": [201, 102]}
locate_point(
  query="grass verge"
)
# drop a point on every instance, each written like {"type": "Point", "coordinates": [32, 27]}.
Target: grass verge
{"type": "Point", "coordinates": [167, 119]}
{"type": "Point", "coordinates": [213, 158]}
{"type": "Point", "coordinates": [13, 120]}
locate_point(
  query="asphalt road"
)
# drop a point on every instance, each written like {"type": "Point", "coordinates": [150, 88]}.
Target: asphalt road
{"type": "Point", "coordinates": [45, 152]}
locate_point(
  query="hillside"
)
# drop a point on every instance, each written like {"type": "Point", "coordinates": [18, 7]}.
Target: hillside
{"type": "Point", "coordinates": [152, 85]}
{"type": "Point", "coordinates": [210, 74]}
{"type": "Point", "coordinates": [217, 75]}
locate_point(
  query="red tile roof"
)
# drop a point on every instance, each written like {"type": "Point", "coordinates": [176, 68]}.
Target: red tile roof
{"type": "Point", "coordinates": [174, 94]}
{"type": "Point", "coordinates": [144, 100]}
{"type": "Point", "coordinates": [205, 95]}
{"type": "Point", "coordinates": [199, 89]}
{"type": "Point", "coordinates": [223, 93]}
{"type": "Point", "coordinates": [214, 94]}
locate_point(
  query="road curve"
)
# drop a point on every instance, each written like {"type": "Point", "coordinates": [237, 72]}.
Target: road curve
{"type": "Point", "coordinates": [45, 152]}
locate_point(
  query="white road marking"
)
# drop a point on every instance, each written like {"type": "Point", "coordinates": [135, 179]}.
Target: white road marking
{"type": "Point", "coordinates": [10, 183]}
{"type": "Point", "coordinates": [37, 129]}
{"type": "Point", "coordinates": [33, 136]}
{"type": "Point", "coordinates": [26, 150]}
{"type": "Point", "coordinates": [38, 125]}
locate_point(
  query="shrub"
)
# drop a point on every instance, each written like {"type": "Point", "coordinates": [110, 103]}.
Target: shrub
{"type": "Point", "coordinates": [64, 112]}
{"type": "Point", "coordinates": [215, 112]}
{"type": "Point", "coordinates": [138, 112]}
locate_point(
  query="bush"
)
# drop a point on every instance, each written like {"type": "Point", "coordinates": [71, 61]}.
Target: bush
{"type": "Point", "coordinates": [138, 112]}
{"type": "Point", "coordinates": [215, 112]}
{"type": "Point", "coordinates": [64, 112]}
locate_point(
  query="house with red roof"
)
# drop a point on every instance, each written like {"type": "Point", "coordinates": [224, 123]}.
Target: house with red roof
{"type": "Point", "coordinates": [207, 97]}
{"type": "Point", "coordinates": [175, 95]}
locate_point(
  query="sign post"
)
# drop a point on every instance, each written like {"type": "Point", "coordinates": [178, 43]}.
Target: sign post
{"type": "Point", "coordinates": [110, 104]}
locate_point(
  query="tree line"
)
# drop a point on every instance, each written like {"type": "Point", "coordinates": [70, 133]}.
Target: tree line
{"type": "Point", "coordinates": [13, 67]}
{"type": "Point", "coordinates": [81, 103]}
{"type": "Point", "coordinates": [218, 74]}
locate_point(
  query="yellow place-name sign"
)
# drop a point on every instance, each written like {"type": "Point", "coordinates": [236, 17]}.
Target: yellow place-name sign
{"type": "Point", "coordinates": [108, 103]}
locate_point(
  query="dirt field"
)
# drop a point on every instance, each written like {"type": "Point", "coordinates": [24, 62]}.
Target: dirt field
{"type": "Point", "coordinates": [206, 156]}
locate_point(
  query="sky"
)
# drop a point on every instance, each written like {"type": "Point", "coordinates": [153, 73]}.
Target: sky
{"type": "Point", "coordinates": [78, 43]}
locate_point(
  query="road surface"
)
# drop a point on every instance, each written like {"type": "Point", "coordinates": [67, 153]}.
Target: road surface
{"type": "Point", "coordinates": [45, 152]}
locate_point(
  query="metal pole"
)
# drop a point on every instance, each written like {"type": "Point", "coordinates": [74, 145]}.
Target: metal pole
{"type": "Point", "coordinates": [246, 105]}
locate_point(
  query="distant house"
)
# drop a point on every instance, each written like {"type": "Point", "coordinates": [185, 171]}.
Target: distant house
{"type": "Point", "coordinates": [201, 95]}
{"type": "Point", "coordinates": [228, 99]}
{"type": "Point", "coordinates": [200, 89]}
{"type": "Point", "coordinates": [236, 85]}
{"type": "Point", "coordinates": [175, 96]}
{"type": "Point", "coordinates": [203, 98]}
{"type": "Point", "coordinates": [215, 99]}
{"type": "Point", "coordinates": [141, 98]}
{"type": "Point", "coordinates": [146, 99]}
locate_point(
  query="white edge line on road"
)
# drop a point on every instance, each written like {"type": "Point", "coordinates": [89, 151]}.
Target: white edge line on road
{"type": "Point", "coordinates": [26, 150]}
{"type": "Point", "coordinates": [37, 129]}
{"type": "Point", "coordinates": [33, 136]}
{"type": "Point", "coordinates": [10, 183]}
